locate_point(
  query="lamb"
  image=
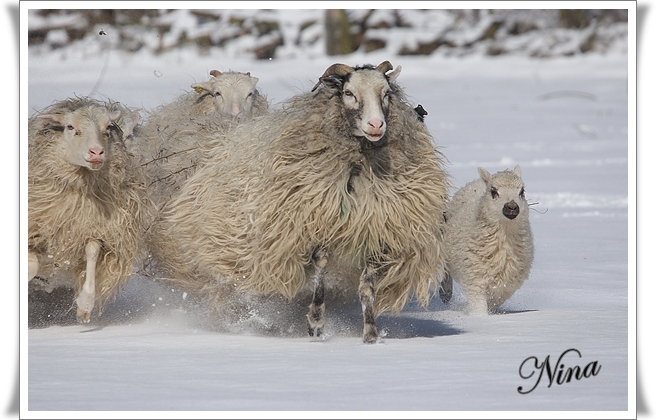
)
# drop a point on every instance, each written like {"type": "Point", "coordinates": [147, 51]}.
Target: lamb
{"type": "Point", "coordinates": [168, 147]}
{"type": "Point", "coordinates": [344, 178]}
{"type": "Point", "coordinates": [489, 243]}
{"type": "Point", "coordinates": [88, 203]}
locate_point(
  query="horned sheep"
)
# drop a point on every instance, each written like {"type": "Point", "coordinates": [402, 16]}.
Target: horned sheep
{"type": "Point", "coordinates": [88, 205]}
{"type": "Point", "coordinates": [168, 145]}
{"type": "Point", "coordinates": [341, 179]}
{"type": "Point", "coordinates": [489, 241]}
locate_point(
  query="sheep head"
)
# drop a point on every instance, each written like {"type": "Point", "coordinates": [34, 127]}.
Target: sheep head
{"type": "Point", "coordinates": [365, 93]}
{"type": "Point", "coordinates": [85, 134]}
{"type": "Point", "coordinates": [504, 198]}
{"type": "Point", "coordinates": [233, 93]}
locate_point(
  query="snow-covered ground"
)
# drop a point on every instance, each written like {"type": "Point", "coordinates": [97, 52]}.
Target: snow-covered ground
{"type": "Point", "coordinates": [569, 122]}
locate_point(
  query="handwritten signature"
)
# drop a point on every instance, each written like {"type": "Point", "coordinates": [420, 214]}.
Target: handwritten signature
{"type": "Point", "coordinates": [560, 373]}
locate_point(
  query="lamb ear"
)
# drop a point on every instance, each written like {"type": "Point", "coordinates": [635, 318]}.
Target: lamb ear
{"type": "Point", "coordinates": [518, 171]}
{"type": "Point", "coordinates": [485, 175]}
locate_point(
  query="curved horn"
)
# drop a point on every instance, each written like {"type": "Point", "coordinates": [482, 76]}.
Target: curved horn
{"type": "Point", "coordinates": [336, 69]}
{"type": "Point", "coordinates": [215, 73]}
{"type": "Point", "coordinates": [384, 67]}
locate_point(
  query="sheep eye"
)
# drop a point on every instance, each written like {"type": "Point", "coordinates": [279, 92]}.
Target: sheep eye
{"type": "Point", "coordinates": [249, 95]}
{"type": "Point", "coordinates": [217, 94]}
{"type": "Point", "coordinates": [348, 93]}
{"type": "Point", "coordinates": [494, 192]}
{"type": "Point", "coordinates": [70, 127]}
{"type": "Point", "coordinates": [521, 192]}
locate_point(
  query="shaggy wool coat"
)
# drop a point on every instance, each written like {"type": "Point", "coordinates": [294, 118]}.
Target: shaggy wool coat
{"type": "Point", "coordinates": [271, 191]}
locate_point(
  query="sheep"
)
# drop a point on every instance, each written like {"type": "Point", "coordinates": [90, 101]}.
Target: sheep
{"type": "Point", "coordinates": [489, 243]}
{"type": "Point", "coordinates": [344, 178]}
{"type": "Point", "coordinates": [167, 145]}
{"type": "Point", "coordinates": [127, 122]}
{"type": "Point", "coordinates": [88, 203]}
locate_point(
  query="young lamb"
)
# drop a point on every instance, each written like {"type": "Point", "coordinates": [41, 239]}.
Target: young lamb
{"type": "Point", "coordinates": [168, 145]}
{"type": "Point", "coordinates": [489, 243]}
{"type": "Point", "coordinates": [342, 178]}
{"type": "Point", "coordinates": [88, 203]}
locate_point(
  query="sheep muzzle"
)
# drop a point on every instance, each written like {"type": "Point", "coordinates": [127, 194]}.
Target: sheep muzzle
{"type": "Point", "coordinates": [511, 209]}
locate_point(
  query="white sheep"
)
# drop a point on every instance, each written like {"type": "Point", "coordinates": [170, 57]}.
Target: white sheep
{"type": "Point", "coordinates": [342, 179]}
{"type": "Point", "coordinates": [167, 145]}
{"type": "Point", "coordinates": [88, 205]}
{"type": "Point", "coordinates": [489, 242]}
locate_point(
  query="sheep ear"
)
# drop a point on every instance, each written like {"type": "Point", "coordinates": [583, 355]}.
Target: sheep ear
{"type": "Point", "coordinates": [202, 87]}
{"type": "Point", "coordinates": [485, 175]}
{"type": "Point", "coordinates": [331, 81]}
{"type": "Point", "coordinates": [114, 115]}
{"type": "Point", "coordinates": [135, 118]}
{"type": "Point", "coordinates": [215, 73]}
{"type": "Point", "coordinates": [53, 118]}
{"type": "Point", "coordinates": [393, 75]}
{"type": "Point", "coordinates": [518, 171]}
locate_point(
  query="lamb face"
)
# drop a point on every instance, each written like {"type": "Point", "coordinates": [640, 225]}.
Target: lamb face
{"type": "Point", "coordinates": [504, 198]}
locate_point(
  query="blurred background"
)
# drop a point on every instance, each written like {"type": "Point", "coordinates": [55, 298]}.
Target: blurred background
{"type": "Point", "coordinates": [269, 34]}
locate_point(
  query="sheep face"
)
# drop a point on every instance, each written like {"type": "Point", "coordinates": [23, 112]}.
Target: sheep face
{"type": "Point", "coordinates": [365, 96]}
{"type": "Point", "coordinates": [233, 93]}
{"type": "Point", "coordinates": [127, 124]}
{"type": "Point", "coordinates": [503, 200]}
{"type": "Point", "coordinates": [85, 135]}
{"type": "Point", "coordinates": [366, 101]}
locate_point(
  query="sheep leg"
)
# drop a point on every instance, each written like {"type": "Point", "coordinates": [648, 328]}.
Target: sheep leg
{"type": "Point", "coordinates": [366, 294]}
{"type": "Point", "coordinates": [32, 265]}
{"type": "Point", "coordinates": [316, 316]}
{"type": "Point", "coordinates": [87, 297]}
{"type": "Point", "coordinates": [476, 299]}
{"type": "Point", "coordinates": [446, 288]}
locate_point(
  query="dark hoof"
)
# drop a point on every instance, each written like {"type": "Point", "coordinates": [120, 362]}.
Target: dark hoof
{"type": "Point", "coordinates": [446, 289]}
{"type": "Point", "coordinates": [315, 331]}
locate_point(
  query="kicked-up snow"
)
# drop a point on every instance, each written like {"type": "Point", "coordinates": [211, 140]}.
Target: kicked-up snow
{"type": "Point", "coordinates": [562, 345]}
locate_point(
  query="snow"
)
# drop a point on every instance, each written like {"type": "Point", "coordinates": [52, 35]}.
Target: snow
{"type": "Point", "coordinates": [568, 121]}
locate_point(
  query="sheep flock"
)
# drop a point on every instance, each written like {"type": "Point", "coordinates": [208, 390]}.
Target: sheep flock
{"type": "Point", "coordinates": [237, 202]}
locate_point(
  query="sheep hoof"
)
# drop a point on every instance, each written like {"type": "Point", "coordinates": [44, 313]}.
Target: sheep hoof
{"type": "Point", "coordinates": [83, 316]}
{"type": "Point", "coordinates": [316, 320]}
{"type": "Point", "coordinates": [84, 307]}
{"type": "Point", "coordinates": [370, 334]}
{"type": "Point", "coordinates": [446, 289]}
{"type": "Point", "coordinates": [315, 331]}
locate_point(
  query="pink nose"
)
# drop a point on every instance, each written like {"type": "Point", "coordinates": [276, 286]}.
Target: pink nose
{"type": "Point", "coordinates": [376, 126]}
{"type": "Point", "coordinates": [96, 154]}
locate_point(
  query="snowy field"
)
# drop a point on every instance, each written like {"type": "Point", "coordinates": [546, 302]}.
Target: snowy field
{"type": "Point", "coordinates": [568, 122]}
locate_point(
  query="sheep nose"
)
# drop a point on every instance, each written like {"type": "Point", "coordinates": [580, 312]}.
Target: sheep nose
{"type": "Point", "coordinates": [375, 124]}
{"type": "Point", "coordinates": [510, 209]}
{"type": "Point", "coordinates": [96, 154]}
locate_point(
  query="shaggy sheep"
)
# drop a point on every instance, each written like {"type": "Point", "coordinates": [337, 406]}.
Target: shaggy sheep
{"type": "Point", "coordinates": [168, 146]}
{"type": "Point", "coordinates": [341, 179]}
{"type": "Point", "coordinates": [127, 122]}
{"type": "Point", "coordinates": [488, 240]}
{"type": "Point", "coordinates": [88, 204]}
